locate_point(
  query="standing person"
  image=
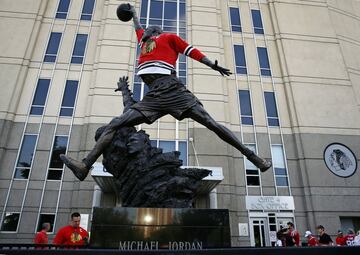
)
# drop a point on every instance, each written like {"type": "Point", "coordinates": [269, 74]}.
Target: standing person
{"type": "Point", "coordinates": [349, 238]}
{"type": "Point", "coordinates": [72, 234]}
{"type": "Point", "coordinates": [340, 239]}
{"type": "Point", "coordinates": [312, 241]}
{"type": "Point", "coordinates": [41, 237]}
{"type": "Point", "coordinates": [357, 239]}
{"type": "Point", "coordinates": [294, 234]}
{"type": "Point", "coordinates": [324, 239]}
{"type": "Point", "coordinates": [167, 95]}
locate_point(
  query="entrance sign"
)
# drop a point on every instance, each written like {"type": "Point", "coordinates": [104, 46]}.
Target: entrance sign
{"type": "Point", "coordinates": [270, 203]}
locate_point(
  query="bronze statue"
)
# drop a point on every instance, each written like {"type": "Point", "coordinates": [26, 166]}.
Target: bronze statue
{"type": "Point", "coordinates": [167, 95]}
{"type": "Point", "coordinates": [144, 175]}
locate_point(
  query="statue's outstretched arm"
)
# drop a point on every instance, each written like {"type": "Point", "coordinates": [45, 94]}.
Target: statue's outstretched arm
{"type": "Point", "coordinates": [123, 86]}
{"type": "Point", "coordinates": [135, 18]}
{"type": "Point", "coordinates": [223, 71]}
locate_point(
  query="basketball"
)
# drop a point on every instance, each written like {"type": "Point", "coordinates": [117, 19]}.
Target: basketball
{"type": "Point", "coordinates": [123, 12]}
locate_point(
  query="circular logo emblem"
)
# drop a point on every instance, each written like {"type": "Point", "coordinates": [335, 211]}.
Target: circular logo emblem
{"type": "Point", "coordinates": [340, 160]}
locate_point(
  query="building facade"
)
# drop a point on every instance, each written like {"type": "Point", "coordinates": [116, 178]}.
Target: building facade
{"type": "Point", "coordinates": [294, 97]}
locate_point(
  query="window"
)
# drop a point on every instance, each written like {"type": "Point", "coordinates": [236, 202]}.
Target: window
{"type": "Point", "coordinates": [264, 61]}
{"type": "Point", "coordinates": [56, 165]}
{"type": "Point", "coordinates": [53, 47]}
{"type": "Point", "coordinates": [63, 9]}
{"type": "Point", "coordinates": [169, 146]}
{"type": "Point", "coordinates": [245, 107]}
{"type": "Point", "coordinates": [10, 222]}
{"type": "Point", "coordinates": [235, 19]}
{"type": "Point", "coordinates": [87, 10]}
{"type": "Point", "coordinates": [252, 173]}
{"type": "Point", "coordinates": [140, 89]}
{"type": "Point", "coordinates": [279, 165]}
{"type": "Point", "coordinates": [79, 49]}
{"type": "Point", "coordinates": [46, 218]}
{"type": "Point", "coordinates": [240, 59]}
{"type": "Point", "coordinates": [68, 102]}
{"type": "Point", "coordinates": [25, 157]}
{"type": "Point", "coordinates": [41, 92]}
{"type": "Point", "coordinates": [271, 110]}
{"type": "Point", "coordinates": [257, 22]}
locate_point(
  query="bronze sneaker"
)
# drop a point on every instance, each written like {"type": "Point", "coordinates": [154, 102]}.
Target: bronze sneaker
{"type": "Point", "coordinates": [79, 168]}
{"type": "Point", "coordinates": [260, 163]}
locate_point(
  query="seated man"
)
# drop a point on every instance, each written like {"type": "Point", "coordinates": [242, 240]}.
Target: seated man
{"type": "Point", "coordinates": [167, 95]}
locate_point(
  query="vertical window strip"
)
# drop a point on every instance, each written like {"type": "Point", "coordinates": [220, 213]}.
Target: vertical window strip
{"type": "Point", "coordinates": [88, 9]}
{"type": "Point", "coordinates": [252, 172]}
{"type": "Point", "coordinates": [26, 156]}
{"type": "Point", "coordinates": [257, 22]}
{"type": "Point", "coordinates": [281, 176]}
{"type": "Point", "coordinates": [245, 107]}
{"type": "Point", "coordinates": [63, 9]}
{"type": "Point", "coordinates": [79, 49]}
{"type": "Point", "coordinates": [41, 93]}
{"type": "Point", "coordinates": [271, 109]}
{"type": "Point", "coordinates": [264, 61]}
{"type": "Point", "coordinates": [240, 59]}
{"type": "Point", "coordinates": [68, 102]}
{"type": "Point", "coordinates": [10, 222]}
{"type": "Point", "coordinates": [56, 165]}
{"type": "Point", "coordinates": [53, 47]}
{"type": "Point", "coordinates": [235, 19]}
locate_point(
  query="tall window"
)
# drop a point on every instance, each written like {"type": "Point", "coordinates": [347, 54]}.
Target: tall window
{"type": "Point", "coordinates": [240, 59]}
{"type": "Point", "coordinates": [10, 222]}
{"type": "Point", "coordinates": [235, 19]}
{"type": "Point", "coordinates": [26, 156]}
{"type": "Point", "coordinates": [79, 49]}
{"type": "Point", "coordinates": [263, 61]}
{"type": "Point", "coordinates": [62, 9]}
{"type": "Point", "coordinates": [87, 10]}
{"type": "Point", "coordinates": [68, 102]}
{"type": "Point", "coordinates": [271, 110]}
{"type": "Point", "coordinates": [41, 92]}
{"type": "Point", "coordinates": [168, 146]}
{"type": "Point", "coordinates": [46, 218]}
{"type": "Point", "coordinates": [279, 165]}
{"type": "Point", "coordinates": [257, 22]}
{"type": "Point", "coordinates": [53, 47]}
{"type": "Point", "coordinates": [170, 16]}
{"type": "Point", "coordinates": [252, 172]}
{"type": "Point", "coordinates": [245, 107]}
{"type": "Point", "coordinates": [56, 165]}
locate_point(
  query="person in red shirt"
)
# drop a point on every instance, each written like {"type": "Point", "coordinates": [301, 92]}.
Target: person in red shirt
{"type": "Point", "coordinates": [41, 237]}
{"type": "Point", "coordinates": [294, 234]}
{"type": "Point", "coordinates": [167, 95]}
{"type": "Point", "coordinates": [349, 238]}
{"type": "Point", "coordinates": [340, 239]}
{"type": "Point", "coordinates": [72, 234]}
{"type": "Point", "coordinates": [312, 241]}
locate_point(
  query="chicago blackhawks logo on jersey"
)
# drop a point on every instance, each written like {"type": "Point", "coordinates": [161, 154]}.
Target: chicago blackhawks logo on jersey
{"type": "Point", "coordinates": [149, 46]}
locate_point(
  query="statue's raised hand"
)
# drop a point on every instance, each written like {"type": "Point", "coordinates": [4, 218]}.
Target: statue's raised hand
{"type": "Point", "coordinates": [223, 71]}
{"type": "Point", "coordinates": [122, 83]}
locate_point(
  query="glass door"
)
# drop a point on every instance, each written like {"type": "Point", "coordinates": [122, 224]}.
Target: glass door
{"type": "Point", "coordinates": [259, 233]}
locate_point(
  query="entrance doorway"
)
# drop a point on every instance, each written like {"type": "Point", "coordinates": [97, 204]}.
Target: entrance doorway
{"type": "Point", "coordinates": [259, 232]}
{"type": "Point", "coordinates": [263, 227]}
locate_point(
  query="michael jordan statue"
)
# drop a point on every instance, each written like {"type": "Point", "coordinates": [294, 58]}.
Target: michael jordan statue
{"type": "Point", "coordinates": [167, 95]}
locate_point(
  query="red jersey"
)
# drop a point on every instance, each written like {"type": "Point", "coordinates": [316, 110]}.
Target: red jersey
{"type": "Point", "coordinates": [295, 235]}
{"type": "Point", "coordinates": [340, 241]}
{"type": "Point", "coordinates": [349, 239]}
{"type": "Point", "coordinates": [71, 236]}
{"type": "Point", "coordinates": [312, 241]}
{"type": "Point", "coordinates": [41, 238]}
{"type": "Point", "coordinates": [160, 53]}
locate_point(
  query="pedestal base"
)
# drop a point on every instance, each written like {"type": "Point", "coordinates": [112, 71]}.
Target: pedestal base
{"type": "Point", "coordinates": [160, 228]}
